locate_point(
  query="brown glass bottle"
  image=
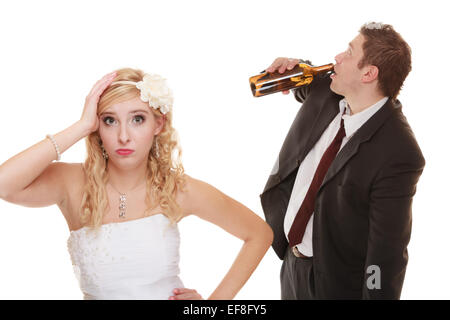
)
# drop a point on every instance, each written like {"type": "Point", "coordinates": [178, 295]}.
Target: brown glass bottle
{"type": "Point", "coordinates": [302, 74]}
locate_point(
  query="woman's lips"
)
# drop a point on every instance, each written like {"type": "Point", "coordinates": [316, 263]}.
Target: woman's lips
{"type": "Point", "coordinates": [124, 152]}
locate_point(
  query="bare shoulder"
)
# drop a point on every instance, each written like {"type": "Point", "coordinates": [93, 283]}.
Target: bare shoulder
{"type": "Point", "coordinates": [210, 204]}
{"type": "Point", "coordinates": [74, 176]}
{"type": "Point", "coordinates": [70, 172]}
{"type": "Point", "coordinates": [192, 184]}
{"type": "Point", "coordinates": [71, 177]}
{"type": "Point", "coordinates": [196, 194]}
{"type": "Point", "coordinates": [65, 168]}
{"type": "Point", "coordinates": [186, 195]}
{"type": "Point", "coordinates": [74, 168]}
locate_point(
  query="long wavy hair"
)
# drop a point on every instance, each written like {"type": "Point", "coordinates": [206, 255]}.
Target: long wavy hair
{"type": "Point", "coordinates": [165, 172]}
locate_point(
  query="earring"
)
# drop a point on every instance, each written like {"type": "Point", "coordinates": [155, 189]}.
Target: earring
{"type": "Point", "coordinates": [105, 155]}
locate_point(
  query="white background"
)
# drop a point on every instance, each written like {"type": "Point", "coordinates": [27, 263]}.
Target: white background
{"type": "Point", "coordinates": [52, 52]}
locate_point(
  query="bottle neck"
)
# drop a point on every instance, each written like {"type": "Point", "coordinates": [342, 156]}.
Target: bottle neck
{"type": "Point", "coordinates": [324, 68]}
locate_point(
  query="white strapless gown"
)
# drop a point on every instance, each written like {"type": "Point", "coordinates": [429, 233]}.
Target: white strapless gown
{"type": "Point", "coordinates": [135, 259]}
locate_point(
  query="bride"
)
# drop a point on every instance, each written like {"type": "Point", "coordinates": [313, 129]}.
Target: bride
{"type": "Point", "coordinates": [122, 205]}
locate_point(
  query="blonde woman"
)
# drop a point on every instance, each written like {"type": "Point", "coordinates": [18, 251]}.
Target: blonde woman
{"type": "Point", "coordinates": [123, 203]}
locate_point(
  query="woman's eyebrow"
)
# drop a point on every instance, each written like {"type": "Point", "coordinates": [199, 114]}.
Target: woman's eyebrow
{"type": "Point", "coordinates": [134, 111]}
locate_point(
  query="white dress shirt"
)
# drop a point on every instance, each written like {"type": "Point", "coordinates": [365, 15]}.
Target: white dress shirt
{"type": "Point", "coordinates": [309, 165]}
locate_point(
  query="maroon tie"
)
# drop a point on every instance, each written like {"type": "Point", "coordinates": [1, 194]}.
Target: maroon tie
{"type": "Point", "coordinates": [307, 208]}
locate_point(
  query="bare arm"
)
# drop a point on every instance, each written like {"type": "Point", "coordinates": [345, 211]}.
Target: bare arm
{"type": "Point", "coordinates": [18, 172]}
{"type": "Point", "coordinates": [208, 203]}
{"type": "Point", "coordinates": [30, 178]}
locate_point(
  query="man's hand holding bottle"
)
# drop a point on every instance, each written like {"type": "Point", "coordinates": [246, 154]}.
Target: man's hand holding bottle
{"type": "Point", "coordinates": [282, 64]}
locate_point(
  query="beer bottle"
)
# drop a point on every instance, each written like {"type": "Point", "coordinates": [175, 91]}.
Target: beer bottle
{"type": "Point", "coordinates": [302, 74]}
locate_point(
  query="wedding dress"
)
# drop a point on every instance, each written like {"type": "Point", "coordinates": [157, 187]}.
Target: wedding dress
{"type": "Point", "coordinates": [135, 259]}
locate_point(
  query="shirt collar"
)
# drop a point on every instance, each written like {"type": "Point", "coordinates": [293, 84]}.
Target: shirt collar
{"type": "Point", "coordinates": [353, 122]}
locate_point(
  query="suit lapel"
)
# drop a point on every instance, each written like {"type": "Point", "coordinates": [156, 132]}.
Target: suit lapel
{"type": "Point", "coordinates": [296, 146]}
{"type": "Point", "coordinates": [320, 124]}
{"type": "Point", "coordinates": [364, 133]}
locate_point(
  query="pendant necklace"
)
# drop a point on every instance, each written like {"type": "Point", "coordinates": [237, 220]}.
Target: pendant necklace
{"type": "Point", "coordinates": [123, 201]}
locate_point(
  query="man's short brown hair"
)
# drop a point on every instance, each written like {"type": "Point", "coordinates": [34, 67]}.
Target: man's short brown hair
{"type": "Point", "coordinates": [385, 48]}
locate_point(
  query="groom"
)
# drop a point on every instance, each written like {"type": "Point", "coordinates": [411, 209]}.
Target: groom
{"type": "Point", "coordinates": [339, 196]}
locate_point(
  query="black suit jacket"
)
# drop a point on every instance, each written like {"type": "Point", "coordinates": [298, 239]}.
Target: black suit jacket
{"type": "Point", "coordinates": [362, 213]}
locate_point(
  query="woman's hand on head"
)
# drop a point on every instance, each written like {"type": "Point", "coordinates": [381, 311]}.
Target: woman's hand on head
{"type": "Point", "coordinates": [185, 294]}
{"type": "Point", "coordinates": [89, 117]}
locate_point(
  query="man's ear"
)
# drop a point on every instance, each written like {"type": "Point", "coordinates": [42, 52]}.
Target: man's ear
{"type": "Point", "coordinates": [370, 74]}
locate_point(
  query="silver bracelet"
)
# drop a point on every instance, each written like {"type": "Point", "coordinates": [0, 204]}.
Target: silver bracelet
{"type": "Point", "coordinates": [49, 136]}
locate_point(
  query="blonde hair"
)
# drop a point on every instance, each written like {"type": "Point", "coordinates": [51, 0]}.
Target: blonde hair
{"type": "Point", "coordinates": [165, 173]}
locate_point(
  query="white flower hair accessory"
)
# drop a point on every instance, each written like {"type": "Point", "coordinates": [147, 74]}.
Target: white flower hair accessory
{"type": "Point", "coordinates": [373, 25]}
{"type": "Point", "coordinates": [154, 90]}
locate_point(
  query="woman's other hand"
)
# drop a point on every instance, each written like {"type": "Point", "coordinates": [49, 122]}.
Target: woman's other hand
{"type": "Point", "coordinates": [185, 294]}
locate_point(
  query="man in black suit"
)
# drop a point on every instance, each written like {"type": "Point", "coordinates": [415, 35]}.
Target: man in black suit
{"type": "Point", "coordinates": [352, 241]}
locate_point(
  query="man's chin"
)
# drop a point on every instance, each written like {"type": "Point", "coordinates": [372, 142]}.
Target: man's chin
{"type": "Point", "coordinates": [334, 89]}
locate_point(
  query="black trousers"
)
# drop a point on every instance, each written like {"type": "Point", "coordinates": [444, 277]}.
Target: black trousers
{"type": "Point", "coordinates": [297, 277]}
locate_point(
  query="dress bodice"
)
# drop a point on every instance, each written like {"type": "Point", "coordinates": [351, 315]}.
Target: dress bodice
{"type": "Point", "coordinates": [135, 259]}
